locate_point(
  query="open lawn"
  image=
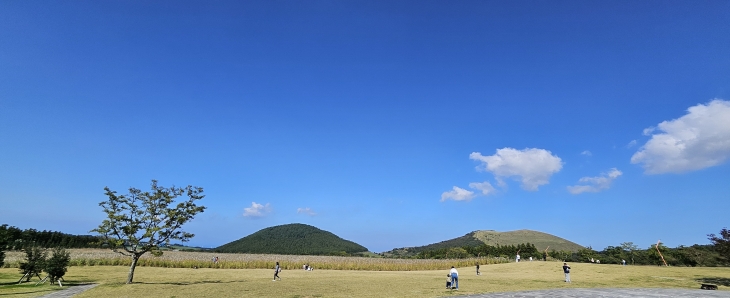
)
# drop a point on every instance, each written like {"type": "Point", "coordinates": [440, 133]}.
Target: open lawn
{"type": "Point", "coordinates": [182, 282]}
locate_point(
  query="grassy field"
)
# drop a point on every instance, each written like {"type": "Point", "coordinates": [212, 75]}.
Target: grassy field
{"type": "Point", "coordinates": [183, 282]}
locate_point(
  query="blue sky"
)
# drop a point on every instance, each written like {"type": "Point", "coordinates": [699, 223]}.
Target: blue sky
{"type": "Point", "coordinates": [388, 123]}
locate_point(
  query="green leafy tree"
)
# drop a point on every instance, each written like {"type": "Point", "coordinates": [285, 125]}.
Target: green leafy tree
{"type": "Point", "coordinates": [586, 254]}
{"type": "Point", "coordinates": [722, 243]}
{"type": "Point", "coordinates": [4, 242]}
{"type": "Point", "coordinates": [655, 258]}
{"type": "Point", "coordinates": [630, 248]}
{"type": "Point", "coordinates": [57, 265]}
{"type": "Point", "coordinates": [562, 255]}
{"type": "Point", "coordinates": [457, 253]}
{"type": "Point", "coordinates": [35, 259]}
{"type": "Point", "coordinates": [141, 222]}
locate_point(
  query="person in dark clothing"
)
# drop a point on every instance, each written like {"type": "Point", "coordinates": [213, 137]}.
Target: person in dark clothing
{"type": "Point", "coordinates": [478, 273]}
{"type": "Point", "coordinates": [276, 271]}
{"type": "Point", "coordinates": [566, 270]}
{"type": "Point", "coordinates": [544, 256]}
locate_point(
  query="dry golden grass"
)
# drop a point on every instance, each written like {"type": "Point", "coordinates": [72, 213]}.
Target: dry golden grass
{"type": "Point", "coordinates": [183, 282]}
{"type": "Point", "coordinates": [179, 259]}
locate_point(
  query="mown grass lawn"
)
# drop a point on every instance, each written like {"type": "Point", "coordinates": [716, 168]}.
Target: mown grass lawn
{"type": "Point", "coordinates": [180, 282]}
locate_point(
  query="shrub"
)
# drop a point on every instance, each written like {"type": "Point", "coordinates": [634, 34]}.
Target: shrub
{"type": "Point", "coordinates": [35, 259]}
{"type": "Point", "coordinates": [57, 265]}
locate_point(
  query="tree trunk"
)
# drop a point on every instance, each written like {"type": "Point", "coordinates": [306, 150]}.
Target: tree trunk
{"type": "Point", "coordinates": [131, 269]}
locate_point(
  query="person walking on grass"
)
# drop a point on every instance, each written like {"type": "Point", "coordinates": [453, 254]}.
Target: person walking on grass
{"type": "Point", "coordinates": [566, 270]}
{"type": "Point", "coordinates": [276, 272]}
{"type": "Point", "coordinates": [478, 273]}
{"type": "Point", "coordinates": [454, 278]}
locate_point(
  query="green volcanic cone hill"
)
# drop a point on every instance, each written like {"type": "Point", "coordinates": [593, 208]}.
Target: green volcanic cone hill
{"type": "Point", "coordinates": [292, 239]}
{"type": "Point", "coordinates": [490, 237]}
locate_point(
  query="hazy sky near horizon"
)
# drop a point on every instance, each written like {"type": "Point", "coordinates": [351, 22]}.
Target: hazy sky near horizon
{"type": "Point", "coordinates": [388, 123]}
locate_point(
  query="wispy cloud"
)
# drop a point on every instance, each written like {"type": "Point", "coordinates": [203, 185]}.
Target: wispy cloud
{"type": "Point", "coordinates": [306, 211]}
{"type": "Point", "coordinates": [457, 194]}
{"type": "Point", "coordinates": [631, 144]}
{"type": "Point", "coordinates": [256, 210]}
{"type": "Point", "coordinates": [485, 187]}
{"type": "Point", "coordinates": [586, 153]}
{"type": "Point", "coordinates": [697, 140]}
{"type": "Point", "coordinates": [595, 184]}
{"type": "Point", "coordinates": [532, 166]}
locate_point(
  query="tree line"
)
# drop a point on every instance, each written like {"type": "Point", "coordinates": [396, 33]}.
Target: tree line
{"type": "Point", "coordinates": [13, 238]}
{"type": "Point", "coordinates": [526, 250]}
{"type": "Point", "coordinates": [689, 256]}
{"type": "Point", "coordinates": [710, 255]}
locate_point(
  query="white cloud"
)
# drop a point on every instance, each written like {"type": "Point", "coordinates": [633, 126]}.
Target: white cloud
{"type": "Point", "coordinates": [648, 131]}
{"type": "Point", "coordinates": [485, 187]}
{"type": "Point", "coordinates": [586, 153]}
{"type": "Point", "coordinates": [306, 211]}
{"type": "Point", "coordinates": [697, 140]}
{"type": "Point", "coordinates": [595, 184]}
{"type": "Point", "coordinates": [256, 210]}
{"type": "Point", "coordinates": [532, 166]}
{"type": "Point", "coordinates": [457, 194]}
{"type": "Point", "coordinates": [631, 144]}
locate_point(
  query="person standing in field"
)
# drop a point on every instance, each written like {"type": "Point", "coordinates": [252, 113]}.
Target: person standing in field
{"type": "Point", "coordinates": [277, 269]}
{"type": "Point", "coordinates": [566, 270]}
{"type": "Point", "coordinates": [517, 258]}
{"type": "Point", "coordinates": [448, 281]}
{"type": "Point", "coordinates": [478, 273]}
{"type": "Point", "coordinates": [454, 278]}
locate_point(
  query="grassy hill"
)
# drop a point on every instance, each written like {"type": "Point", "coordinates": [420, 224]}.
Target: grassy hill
{"type": "Point", "coordinates": [539, 239]}
{"type": "Point", "coordinates": [490, 237]}
{"type": "Point", "coordinates": [293, 239]}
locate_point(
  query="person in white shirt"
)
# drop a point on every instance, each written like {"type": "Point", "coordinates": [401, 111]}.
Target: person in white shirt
{"type": "Point", "coordinates": [454, 278]}
{"type": "Point", "coordinates": [517, 259]}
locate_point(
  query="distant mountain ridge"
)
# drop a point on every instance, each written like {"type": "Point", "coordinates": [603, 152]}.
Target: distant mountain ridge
{"type": "Point", "coordinates": [293, 239]}
{"type": "Point", "coordinates": [490, 237]}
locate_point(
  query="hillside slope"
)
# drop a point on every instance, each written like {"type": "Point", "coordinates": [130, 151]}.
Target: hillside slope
{"type": "Point", "coordinates": [539, 239]}
{"type": "Point", "coordinates": [292, 239]}
{"type": "Point", "coordinates": [490, 237]}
